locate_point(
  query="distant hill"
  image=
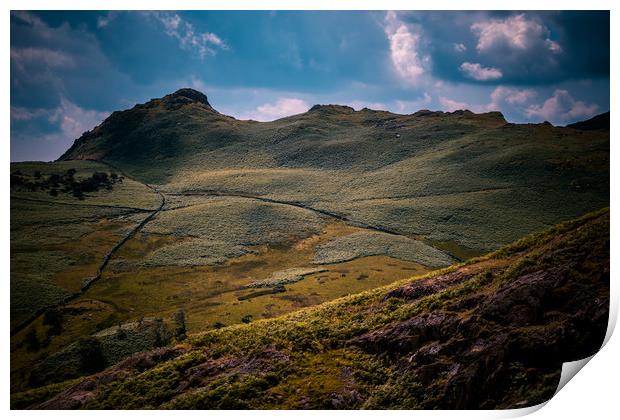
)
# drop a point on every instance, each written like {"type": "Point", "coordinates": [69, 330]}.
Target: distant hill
{"type": "Point", "coordinates": [598, 122]}
{"type": "Point", "coordinates": [469, 182]}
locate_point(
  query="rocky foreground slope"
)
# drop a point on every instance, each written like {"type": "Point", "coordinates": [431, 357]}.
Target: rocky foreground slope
{"type": "Point", "coordinates": [490, 333]}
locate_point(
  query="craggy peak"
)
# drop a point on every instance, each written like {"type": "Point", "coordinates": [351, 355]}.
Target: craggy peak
{"type": "Point", "coordinates": [191, 94]}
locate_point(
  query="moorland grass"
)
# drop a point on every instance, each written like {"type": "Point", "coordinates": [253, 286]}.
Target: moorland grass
{"type": "Point", "coordinates": [366, 243]}
{"type": "Point", "coordinates": [314, 340]}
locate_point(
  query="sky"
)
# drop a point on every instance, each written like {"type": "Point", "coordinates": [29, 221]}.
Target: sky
{"type": "Point", "coordinates": [70, 70]}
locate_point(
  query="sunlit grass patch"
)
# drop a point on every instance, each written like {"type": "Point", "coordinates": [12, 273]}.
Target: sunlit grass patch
{"type": "Point", "coordinates": [363, 244]}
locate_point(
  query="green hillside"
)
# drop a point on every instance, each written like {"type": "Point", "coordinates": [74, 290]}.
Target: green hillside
{"type": "Point", "coordinates": [170, 219]}
{"type": "Point", "coordinates": [469, 182]}
{"type": "Point", "coordinates": [491, 333]}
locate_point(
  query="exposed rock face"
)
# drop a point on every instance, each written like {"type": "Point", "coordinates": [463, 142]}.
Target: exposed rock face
{"type": "Point", "coordinates": [527, 326]}
{"type": "Point", "coordinates": [181, 98]}
{"type": "Point", "coordinates": [81, 393]}
{"type": "Point", "coordinates": [428, 286]}
{"type": "Point", "coordinates": [332, 108]}
{"type": "Point", "coordinates": [148, 359]}
{"type": "Point", "coordinates": [86, 390]}
{"type": "Point", "coordinates": [191, 94]}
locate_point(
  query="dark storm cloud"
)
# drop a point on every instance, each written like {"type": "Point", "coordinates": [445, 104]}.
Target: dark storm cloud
{"type": "Point", "coordinates": [526, 47]}
{"type": "Point", "coordinates": [48, 63]}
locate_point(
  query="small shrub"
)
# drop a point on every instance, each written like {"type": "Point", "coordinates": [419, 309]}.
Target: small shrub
{"type": "Point", "coordinates": [91, 355]}
{"type": "Point", "coordinates": [180, 332]}
{"type": "Point", "coordinates": [162, 335]}
{"type": "Point", "coordinates": [53, 319]}
{"type": "Point", "coordinates": [120, 332]}
{"type": "Point", "coordinates": [32, 341]}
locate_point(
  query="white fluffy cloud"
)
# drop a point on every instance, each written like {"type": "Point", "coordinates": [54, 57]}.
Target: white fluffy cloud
{"type": "Point", "coordinates": [459, 47]}
{"type": "Point", "coordinates": [512, 95]}
{"type": "Point", "coordinates": [502, 99]}
{"type": "Point", "coordinates": [451, 105]}
{"type": "Point", "coordinates": [516, 32]}
{"type": "Point", "coordinates": [561, 107]}
{"type": "Point", "coordinates": [24, 56]}
{"type": "Point", "coordinates": [73, 120]}
{"type": "Point", "coordinates": [283, 107]}
{"type": "Point", "coordinates": [105, 20]}
{"type": "Point", "coordinates": [477, 72]}
{"type": "Point", "coordinates": [405, 54]}
{"type": "Point", "coordinates": [203, 43]}
{"type": "Point", "coordinates": [503, 96]}
{"type": "Point", "coordinates": [19, 113]}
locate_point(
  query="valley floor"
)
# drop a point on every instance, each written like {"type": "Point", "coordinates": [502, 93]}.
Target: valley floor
{"type": "Point", "coordinates": [104, 267]}
{"type": "Point", "coordinates": [133, 252]}
{"type": "Point", "coordinates": [489, 333]}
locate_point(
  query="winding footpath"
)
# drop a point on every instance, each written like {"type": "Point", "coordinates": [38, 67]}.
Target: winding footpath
{"type": "Point", "coordinates": [104, 262]}
{"type": "Point", "coordinates": [153, 213]}
{"type": "Point", "coordinates": [292, 204]}
{"type": "Point", "coordinates": [62, 203]}
{"type": "Point", "coordinates": [321, 212]}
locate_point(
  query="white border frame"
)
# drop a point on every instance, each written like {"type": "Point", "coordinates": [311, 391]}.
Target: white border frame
{"type": "Point", "coordinates": [592, 393]}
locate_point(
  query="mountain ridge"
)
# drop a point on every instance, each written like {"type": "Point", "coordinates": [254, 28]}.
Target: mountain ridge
{"type": "Point", "coordinates": [598, 122]}
{"type": "Point", "coordinates": [366, 165]}
{"type": "Point", "coordinates": [195, 104]}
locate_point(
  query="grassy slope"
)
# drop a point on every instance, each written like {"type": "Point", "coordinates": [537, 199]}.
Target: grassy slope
{"type": "Point", "coordinates": [459, 182]}
{"type": "Point", "coordinates": [469, 180]}
{"type": "Point", "coordinates": [492, 332]}
{"type": "Point", "coordinates": [59, 242]}
{"type": "Point", "coordinates": [56, 246]}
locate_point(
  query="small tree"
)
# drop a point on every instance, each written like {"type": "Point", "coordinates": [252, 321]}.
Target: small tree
{"type": "Point", "coordinates": [92, 358]}
{"type": "Point", "coordinates": [32, 341]}
{"type": "Point", "coordinates": [120, 332]}
{"type": "Point", "coordinates": [99, 178]}
{"type": "Point", "coordinates": [53, 319]}
{"type": "Point", "coordinates": [37, 174]}
{"type": "Point", "coordinates": [162, 335]}
{"type": "Point", "coordinates": [180, 332]}
{"type": "Point", "coordinates": [77, 192]}
{"type": "Point", "coordinates": [16, 179]}
{"type": "Point", "coordinates": [54, 180]}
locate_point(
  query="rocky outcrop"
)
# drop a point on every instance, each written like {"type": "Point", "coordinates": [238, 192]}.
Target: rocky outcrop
{"type": "Point", "coordinates": [513, 335]}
